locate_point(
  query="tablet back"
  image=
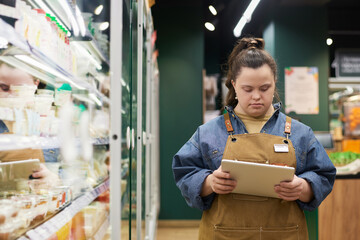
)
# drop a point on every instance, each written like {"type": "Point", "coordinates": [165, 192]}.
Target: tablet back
{"type": "Point", "coordinates": [257, 178]}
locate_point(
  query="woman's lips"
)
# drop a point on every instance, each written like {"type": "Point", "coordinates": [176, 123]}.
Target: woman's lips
{"type": "Point", "coordinates": [256, 104]}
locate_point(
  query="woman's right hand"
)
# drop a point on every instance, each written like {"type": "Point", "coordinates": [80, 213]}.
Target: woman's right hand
{"type": "Point", "coordinates": [219, 182]}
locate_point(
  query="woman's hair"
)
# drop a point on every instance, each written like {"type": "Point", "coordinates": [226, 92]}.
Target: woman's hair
{"type": "Point", "coordinates": [250, 53]}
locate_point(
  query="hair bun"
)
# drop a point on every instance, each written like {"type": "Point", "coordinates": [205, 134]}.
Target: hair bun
{"type": "Point", "coordinates": [251, 43]}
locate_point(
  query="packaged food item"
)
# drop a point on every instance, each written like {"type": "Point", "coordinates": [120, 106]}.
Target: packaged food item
{"type": "Point", "coordinates": [6, 232]}
{"type": "Point", "coordinates": [63, 94]}
{"type": "Point", "coordinates": [43, 104]}
{"type": "Point", "coordinates": [23, 90]}
{"type": "Point", "coordinates": [65, 195]}
{"type": "Point", "coordinates": [45, 92]}
{"type": "Point", "coordinates": [38, 186]}
{"type": "Point", "coordinates": [55, 200]}
{"type": "Point", "coordinates": [26, 205]}
{"type": "Point", "coordinates": [13, 102]}
{"type": "Point", "coordinates": [352, 118]}
{"type": "Point", "coordinates": [41, 206]}
{"type": "Point", "coordinates": [8, 211]}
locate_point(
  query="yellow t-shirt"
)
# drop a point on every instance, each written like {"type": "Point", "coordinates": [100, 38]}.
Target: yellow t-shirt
{"type": "Point", "coordinates": [253, 124]}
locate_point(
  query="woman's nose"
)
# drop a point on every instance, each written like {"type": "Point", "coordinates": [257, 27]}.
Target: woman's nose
{"type": "Point", "coordinates": [256, 95]}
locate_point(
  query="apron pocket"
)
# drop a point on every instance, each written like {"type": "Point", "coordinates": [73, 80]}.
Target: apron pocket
{"type": "Point", "coordinates": [283, 233]}
{"type": "Point", "coordinates": [238, 233]}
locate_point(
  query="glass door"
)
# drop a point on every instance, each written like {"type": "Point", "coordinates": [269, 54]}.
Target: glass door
{"type": "Point", "coordinates": [127, 129]}
{"type": "Point", "coordinates": [134, 118]}
{"type": "Point", "coordinates": [136, 142]}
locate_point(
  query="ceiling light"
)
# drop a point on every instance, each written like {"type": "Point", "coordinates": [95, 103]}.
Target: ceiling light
{"type": "Point", "coordinates": [239, 26]}
{"type": "Point", "coordinates": [103, 26]}
{"type": "Point", "coordinates": [329, 41]}
{"type": "Point", "coordinates": [98, 9]}
{"type": "Point", "coordinates": [245, 18]}
{"type": "Point", "coordinates": [212, 10]}
{"type": "Point", "coordinates": [209, 26]}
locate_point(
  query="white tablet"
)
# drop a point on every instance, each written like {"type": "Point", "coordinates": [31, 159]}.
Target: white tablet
{"type": "Point", "coordinates": [257, 178]}
{"type": "Point", "coordinates": [18, 169]}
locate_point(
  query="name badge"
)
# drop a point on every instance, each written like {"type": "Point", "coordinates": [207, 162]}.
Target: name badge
{"type": "Point", "coordinates": [281, 148]}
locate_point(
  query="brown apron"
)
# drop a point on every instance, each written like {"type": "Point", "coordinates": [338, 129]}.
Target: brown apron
{"type": "Point", "coordinates": [239, 216]}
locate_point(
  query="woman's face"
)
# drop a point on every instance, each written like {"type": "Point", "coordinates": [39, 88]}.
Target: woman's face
{"type": "Point", "coordinates": [13, 76]}
{"type": "Point", "coordinates": [254, 89]}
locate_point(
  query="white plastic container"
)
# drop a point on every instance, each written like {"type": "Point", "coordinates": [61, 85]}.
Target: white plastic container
{"type": "Point", "coordinates": [45, 92]}
{"type": "Point", "coordinates": [62, 97]}
{"type": "Point", "coordinates": [13, 102]}
{"type": "Point", "coordinates": [43, 104]}
{"type": "Point", "coordinates": [23, 90]}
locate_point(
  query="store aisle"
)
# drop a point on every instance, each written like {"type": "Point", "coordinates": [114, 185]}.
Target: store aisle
{"type": "Point", "coordinates": [177, 229]}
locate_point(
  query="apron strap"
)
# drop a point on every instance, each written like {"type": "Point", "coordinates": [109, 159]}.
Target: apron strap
{"type": "Point", "coordinates": [228, 125]}
{"type": "Point", "coordinates": [287, 129]}
{"type": "Point", "coordinates": [230, 129]}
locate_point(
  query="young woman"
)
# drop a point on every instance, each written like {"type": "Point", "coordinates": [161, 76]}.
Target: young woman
{"type": "Point", "coordinates": [251, 122]}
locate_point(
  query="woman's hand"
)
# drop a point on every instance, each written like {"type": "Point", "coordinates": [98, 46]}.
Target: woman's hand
{"type": "Point", "coordinates": [45, 174]}
{"type": "Point", "coordinates": [218, 182]}
{"type": "Point", "coordinates": [298, 188]}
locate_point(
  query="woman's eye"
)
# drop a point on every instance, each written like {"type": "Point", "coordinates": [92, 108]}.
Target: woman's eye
{"type": "Point", "coordinates": [4, 87]}
{"type": "Point", "coordinates": [247, 89]}
{"type": "Point", "coordinates": [264, 89]}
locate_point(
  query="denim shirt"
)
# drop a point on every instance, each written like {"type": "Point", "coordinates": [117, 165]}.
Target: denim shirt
{"type": "Point", "coordinates": [202, 155]}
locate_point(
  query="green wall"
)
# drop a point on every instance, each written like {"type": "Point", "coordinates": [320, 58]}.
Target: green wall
{"type": "Point", "coordinates": [296, 36]}
{"type": "Point", "coordinates": [181, 53]}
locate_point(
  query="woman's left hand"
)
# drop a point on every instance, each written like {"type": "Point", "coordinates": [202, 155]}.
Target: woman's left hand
{"type": "Point", "coordinates": [298, 188]}
{"type": "Point", "coordinates": [45, 174]}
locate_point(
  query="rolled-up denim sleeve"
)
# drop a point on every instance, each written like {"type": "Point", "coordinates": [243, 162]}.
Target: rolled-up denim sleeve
{"type": "Point", "coordinates": [3, 128]}
{"type": "Point", "coordinates": [319, 172]}
{"type": "Point", "coordinates": [190, 172]}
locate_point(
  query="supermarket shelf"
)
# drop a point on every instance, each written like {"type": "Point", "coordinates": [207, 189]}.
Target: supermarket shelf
{"type": "Point", "coordinates": [65, 13]}
{"type": "Point", "coordinates": [14, 142]}
{"type": "Point", "coordinates": [73, 18]}
{"type": "Point", "coordinates": [52, 226]}
{"type": "Point", "coordinates": [39, 58]}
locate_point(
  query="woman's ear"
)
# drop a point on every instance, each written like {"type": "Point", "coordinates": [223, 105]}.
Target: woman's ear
{"type": "Point", "coordinates": [233, 83]}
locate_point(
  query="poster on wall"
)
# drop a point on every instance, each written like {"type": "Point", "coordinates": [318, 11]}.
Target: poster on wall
{"type": "Point", "coordinates": [302, 90]}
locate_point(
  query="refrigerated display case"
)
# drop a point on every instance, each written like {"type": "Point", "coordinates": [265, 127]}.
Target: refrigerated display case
{"type": "Point", "coordinates": [90, 141]}
{"type": "Point", "coordinates": [139, 122]}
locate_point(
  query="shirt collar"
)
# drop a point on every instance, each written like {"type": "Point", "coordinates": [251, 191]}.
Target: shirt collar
{"type": "Point", "coordinates": [277, 108]}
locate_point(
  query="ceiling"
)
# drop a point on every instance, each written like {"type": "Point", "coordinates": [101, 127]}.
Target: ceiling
{"type": "Point", "coordinates": [343, 20]}
{"type": "Point", "coordinates": [343, 23]}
